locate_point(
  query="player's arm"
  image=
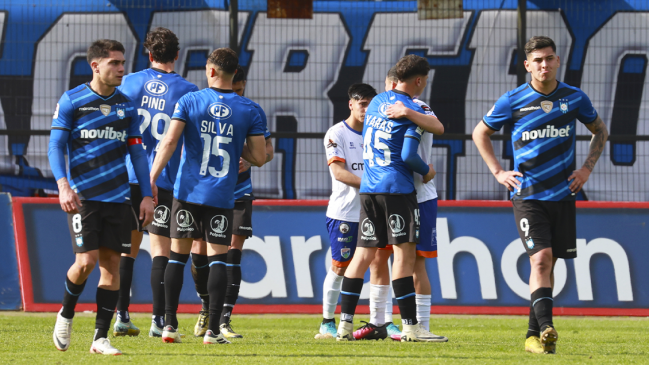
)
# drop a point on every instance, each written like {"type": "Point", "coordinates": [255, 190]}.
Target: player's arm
{"type": "Point", "coordinates": [427, 122]}
{"type": "Point", "coordinates": [600, 135]}
{"type": "Point", "coordinates": [413, 160]}
{"type": "Point", "coordinates": [341, 174]}
{"type": "Point", "coordinates": [255, 150]}
{"type": "Point", "coordinates": [166, 148]}
{"type": "Point", "coordinates": [270, 152]}
{"type": "Point", "coordinates": [141, 169]}
{"type": "Point", "coordinates": [482, 139]}
{"type": "Point", "coordinates": [244, 165]}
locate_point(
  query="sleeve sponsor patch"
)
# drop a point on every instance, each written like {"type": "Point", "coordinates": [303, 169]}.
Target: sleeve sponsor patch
{"type": "Point", "coordinates": [332, 144]}
{"type": "Point", "coordinates": [56, 112]}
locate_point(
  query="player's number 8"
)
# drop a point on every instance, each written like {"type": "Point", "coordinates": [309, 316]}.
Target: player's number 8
{"type": "Point", "coordinates": [525, 226]}
{"type": "Point", "coordinates": [213, 145]}
{"type": "Point", "coordinates": [76, 223]}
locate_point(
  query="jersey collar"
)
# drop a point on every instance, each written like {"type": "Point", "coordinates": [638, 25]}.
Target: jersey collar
{"type": "Point", "coordinates": [546, 95]}
{"type": "Point", "coordinates": [162, 71]}
{"type": "Point", "coordinates": [225, 91]}
{"type": "Point", "coordinates": [402, 93]}
{"type": "Point", "coordinates": [352, 129]}
{"type": "Point", "coordinates": [99, 95]}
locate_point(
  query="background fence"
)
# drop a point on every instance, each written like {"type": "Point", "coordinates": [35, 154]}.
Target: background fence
{"type": "Point", "coordinates": [299, 71]}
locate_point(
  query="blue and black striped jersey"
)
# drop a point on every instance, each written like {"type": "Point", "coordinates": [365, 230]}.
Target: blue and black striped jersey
{"type": "Point", "coordinates": [243, 189]}
{"type": "Point", "coordinates": [384, 172]}
{"type": "Point", "coordinates": [543, 137]}
{"type": "Point", "coordinates": [97, 146]}
{"type": "Point", "coordinates": [155, 93]}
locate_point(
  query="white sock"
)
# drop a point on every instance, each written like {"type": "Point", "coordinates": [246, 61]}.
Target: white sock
{"type": "Point", "coordinates": [330, 294]}
{"type": "Point", "coordinates": [377, 304]}
{"type": "Point", "coordinates": [387, 299]}
{"type": "Point", "coordinates": [423, 310]}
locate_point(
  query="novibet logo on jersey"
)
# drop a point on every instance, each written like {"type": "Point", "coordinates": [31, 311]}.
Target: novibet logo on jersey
{"type": "Point", "coordinates": [106, 133]}
{"type": "Point", "coordinates": [547, 132]}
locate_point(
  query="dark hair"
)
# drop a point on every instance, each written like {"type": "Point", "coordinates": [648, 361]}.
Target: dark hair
{"type": "Point", "coordinates": [101, 48]}
{"type": "Point", "coordinates": [240, 75]}
{"type": "Point", "coordinates": [162, 44]}
{"type": "Point", "coordinates": [392, 74]}
{"type": "Point", "coordinates": [225, 59]}
{"type": "Point", "coordinates": [361, 91]}
{"type": "Point", "coordinates": [539, 42]}
{"type": "Point", "coordinates": [410, 66]}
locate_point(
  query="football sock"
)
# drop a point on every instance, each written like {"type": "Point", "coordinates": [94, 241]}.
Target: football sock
{"type": "Point", "coordinates": [158, 267]}
{"type": "Point", "coordinates": [543, 302]}
{"type": "Point", "coordinates": [174, 275]}
{"type": "Point", "coordinates": [350, 293]}
{"type": "Point", "coordinates": [106, 303]}
{"type": "Point", "coordinates": [233, 270]}
{"type": "Point", "coordinates": [200, 273]}
{"type": "Point", "coordinates": [389, 306]}
{"type": "Point", "coordinates": [423, 310]}
{"type": "Point", "coordinates": [70, 297]}
{"type": "Point", "coordinates": [125, 279]}
{"type": "Point", "coordinates": [533, 328]}
{"type": "Point", "coordinates": [216, 286]}
{"type": "Point", "coordinates": [404, 289]}
{"type": "Point", "coordinates": [158, 320]}
{"type": "Point", "coordinates": [377, 304]}
{"type": "Point", "coordinates": [330, 294]}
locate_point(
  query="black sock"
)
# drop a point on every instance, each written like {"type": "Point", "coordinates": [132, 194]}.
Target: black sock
{"type": "Point", "coordinates": [216, 286]}
{"type": "Point", "coordinates": [543, 302]}
{"type": "Point", "coordinates": [70, 297]}
{"type": "Point", "coordinates": [174, 275]}
{"type": "Point", "coordinates": [125, 280]}
{"type": "Point", "coordinates": [200, 273]}
{"type": "Point", "coordinates": [350, 293]}
{"type": "Point", "coordinates": [233, 269]}
{"type": "Point", "coordinates": [106, 303]}
{"type": "Point", "coordinates": [404, 290]}
{"type": "Point", "coordinates": [327, 320]}
{"type": "Point", "coordinates": [533, 325]}
{"type": "Point", "coordinates": [158, 267]}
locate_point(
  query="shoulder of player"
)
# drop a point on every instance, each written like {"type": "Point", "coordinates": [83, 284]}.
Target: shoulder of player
{"type": "Point", "coordinates": [77, 91]}
{"type": "Point", "coordinates": [575, 88]}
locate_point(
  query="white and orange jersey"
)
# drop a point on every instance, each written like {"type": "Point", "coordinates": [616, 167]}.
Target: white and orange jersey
{"type": "Point", "coordinates": [425, 192]}
{"type": "Point", "coordinates": [344, 144]}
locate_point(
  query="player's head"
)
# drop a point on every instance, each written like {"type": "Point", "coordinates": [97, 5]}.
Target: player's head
{"type": "Point", "coordinates": [239, 81]}
{"type": "Point", "coordinates": [106, 59]}
{"type": "Point", "coordinates": [413, 71]}
{"type": "Point", "coordinates": [163, 45]}
{"type": "Point", "coordinates": [391, 80]}
{"type": "Point", "coordinates": [222, 64]}
{"type": "Point", "coordinates": [541, 59]}
{"type": "Point", "coordinates": [360, 96]}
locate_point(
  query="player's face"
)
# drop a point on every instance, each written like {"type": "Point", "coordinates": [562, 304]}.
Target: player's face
{"type": "Point", "coordinates": [239, 87]}
{"type": "Point", "coordinates": [358, 108]}
{"type": "Point", "coordinates": [542, 64]}
{"type": "Point", "coordinates": [110, 70]}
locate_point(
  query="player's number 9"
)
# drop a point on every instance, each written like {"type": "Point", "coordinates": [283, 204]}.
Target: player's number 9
{"type": "Point", "coordinates": [211, 147]}
{"type": "Point", "coordinates": [525, 226]}
{"type": "Point", "coordinates": [378, 144]}
{"type": "Point", "coordinates": [154, 122]}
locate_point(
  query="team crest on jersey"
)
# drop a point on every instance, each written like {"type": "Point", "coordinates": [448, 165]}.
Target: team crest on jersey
{"type": "Point", "coordinates": [546, 105]}
{"type": "Point", "coordinates": [156, 87]}
{"type": "Point", "coordinates": [105, 109]}
{"type": "Point", "coordinates": [121, 113]}
{"type": "Point", "coordinates": [79, 241]}
{"type": "Point", "coordinates": [219, 110]}
{"type": "Point", "coordinates": [563, 105]}
{"type": "Point", "coordinates": [345, 252]}
{"type": "Point", "coordinates": [383, 108]}
{"type": "Point", "coordinates": [344, 228]}
{"type": "Point", "coordinates": [332, 144]}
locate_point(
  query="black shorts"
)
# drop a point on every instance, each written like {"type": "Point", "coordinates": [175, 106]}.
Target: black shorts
{"type": "Point", "coordinates": [100, 224]}
{"type": "Point", "coordinates": [136, 200]}
{"type": "Point", "coordinates": [189, 220]}
{"type": "Point", "coordinates": [543, 224]}
{"type": "Point", "coordinates": [388, 219]}
{"type": "Point", "coordinates": [242, 218]}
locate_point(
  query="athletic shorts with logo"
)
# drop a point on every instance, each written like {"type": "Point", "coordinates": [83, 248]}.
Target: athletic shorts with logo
{"type": "Point", "coordinates": [100, 224]}
{"type": "Point", "coordinates": [242, 218]}
{"type": "Point", "coordinates": [342, 237]}
{"type": "Point", "coordinates": [543, 224]}
{"type": "Point", "coordinates": [388, 219]}
{"type": "Point", "coordinates": [427, 246]}
{"type": "Point", "coordinates": [161, 214]}
{"type": "Point", "coordinates": [189, 220]}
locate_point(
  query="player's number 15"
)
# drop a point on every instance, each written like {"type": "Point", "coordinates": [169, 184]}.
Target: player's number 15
{"type": "Point", "coordinates": [213, 145]}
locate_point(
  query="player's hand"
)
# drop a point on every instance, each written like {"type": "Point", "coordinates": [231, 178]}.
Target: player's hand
{"type": "Point", "coordinates": [397, 111]}
{"type": "Point", "coordinates": [243, 165]}
{"type": "Point", "coordinates": [508, 178]}
{"type": "Point", "coordinates": [146, 211]}
{"type": "Point", "coordinates": [430, 175]}
{"type": "Point", "coordinates": [579, 178]}
{"type": "Point", "coordinates": [68, 199]}
{"type": "Point", "coordinates": [154, 191]}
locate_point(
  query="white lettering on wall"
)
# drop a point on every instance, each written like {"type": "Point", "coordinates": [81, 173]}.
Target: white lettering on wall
{"type": "Point", "coordinates": [620, 266]}
{"type": "Point", "coordinates": [302, 250]}
{"type": "Point", "coordinates": [273, 283]}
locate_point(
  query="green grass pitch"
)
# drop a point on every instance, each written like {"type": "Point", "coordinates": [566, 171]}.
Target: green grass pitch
{"type": "Point", "coordinates": [26, 338]}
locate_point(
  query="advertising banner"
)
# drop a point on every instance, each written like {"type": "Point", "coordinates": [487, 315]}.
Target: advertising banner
{"type": "Point", "coordinates": [9, 286]}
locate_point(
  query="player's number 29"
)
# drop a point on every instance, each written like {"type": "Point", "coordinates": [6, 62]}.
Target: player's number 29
{"type": "Point", "coordinates": [154, 122]}
{"type": "Point", "coordinates": [211, 147]}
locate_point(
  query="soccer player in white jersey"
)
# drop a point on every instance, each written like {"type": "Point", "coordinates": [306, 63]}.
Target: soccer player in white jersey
{"type": "Point", "coordinates": [343, 144]}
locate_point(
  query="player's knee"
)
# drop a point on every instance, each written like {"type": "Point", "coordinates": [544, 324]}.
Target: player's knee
{"type": "Point", "coordinates": [340, 271]}
{"type": "Point", "coordinates": [86, 265]}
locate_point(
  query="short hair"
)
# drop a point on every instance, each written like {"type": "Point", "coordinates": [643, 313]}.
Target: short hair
{"type": "Point", "coordinates": [410, 66]}
{"type": "Point", "coordinates": [101, 48]}
{"type": "Point", "coordinates": [539, 42]}
{"type": "Point", "coordinates": [361, 91]}
{"type": "Point", "coordinates": [240, 75]}
{"type": "Point", "coordinates": [225, 59]}
{"type": "Point", "coordinates": [392, 74]}
{"type": "Point", "coordinates": [162, 44]}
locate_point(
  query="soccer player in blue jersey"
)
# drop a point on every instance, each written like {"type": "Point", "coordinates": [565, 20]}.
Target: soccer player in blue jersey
{"type": "Point", "coordinates": [389, 212]}
{"type": "Point", "coordinates": [97, 124]}
{"type": "Point", "coordinates": [155, 92]}
{"type": "Point", "coordinates": [241, 230]}
{"type": "Point", "coordinates": [214, 124]}
{"type": "Point", "coordinates": [545, 180]}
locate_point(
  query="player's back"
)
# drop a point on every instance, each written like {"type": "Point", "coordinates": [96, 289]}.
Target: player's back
{"type": "Point", "coordinates": [217, 124]}
{"type": "Point", "coordinates": [426, 191]}
{"type": "Point", "coordinates": [155, 93]}
{"type": "Point", "coordinates": [384, 170]}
